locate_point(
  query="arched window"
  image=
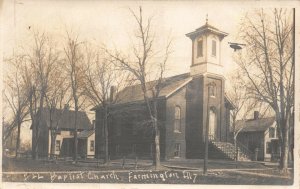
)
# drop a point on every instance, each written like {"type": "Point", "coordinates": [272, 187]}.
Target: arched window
{"type": "Point", "coordinates": [214, 48]}
{"type": "Point", "coordinates": [212, 90]}
{"type": "Point", "coordinates": [200, 48]}
{"type": "Point", "coordinates": [177, 120]}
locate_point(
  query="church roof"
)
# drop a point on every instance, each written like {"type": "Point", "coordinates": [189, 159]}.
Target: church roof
{"type": "Point", "coordinates": [255, 125]}
{"type": "Point", "coordinates": [65, 119]}
{"type": "Point", "coordinates": [205, 28]}
{"type": "Point", "coordinates": [168, 86]}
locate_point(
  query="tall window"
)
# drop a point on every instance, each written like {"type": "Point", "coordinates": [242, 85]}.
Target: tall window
{"type": "Point", "coordinates": [177, 150]}
{"type": "Point", "coordinates": [271, 132]}
{"type": "Point", "coordinates": [214, 48]}
{"type": "Point", "coordinates": [269, 148]}
{"type": "Point", "coordinates": [212, 90]}
{"type": "Point", "coordinates": [57, 145]}
{"type": "Point", "coordinates": [92, 145]}
{"type": "Point", "coordinates": [200, 48]}
{"type": "Point", "coordinates": [177, 120]}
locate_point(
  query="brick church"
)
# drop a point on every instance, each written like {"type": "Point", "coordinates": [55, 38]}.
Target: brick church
{"type": "Point", "coordinates": [184, 102]}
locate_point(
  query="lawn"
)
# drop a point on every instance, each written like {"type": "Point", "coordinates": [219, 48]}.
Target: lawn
{"type": "Point", "coordinates": [219, 172]}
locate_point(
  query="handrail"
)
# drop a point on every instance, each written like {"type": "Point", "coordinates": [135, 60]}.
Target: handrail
{"type": "Point", "coordinates": [244, 149]}
{"type": "Point", "coordinates": [211, 138]}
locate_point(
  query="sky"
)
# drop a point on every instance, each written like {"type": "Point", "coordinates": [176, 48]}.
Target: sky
{"type": "Point", "coordinates": [110, 23]}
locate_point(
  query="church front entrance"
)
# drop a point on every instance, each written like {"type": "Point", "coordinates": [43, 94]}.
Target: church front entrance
{"type": "Point", "coordinates": [212, 125]}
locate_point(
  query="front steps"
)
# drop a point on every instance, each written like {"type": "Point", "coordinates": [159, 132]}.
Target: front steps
{"type": "Point", "coordinates": [228, 151]}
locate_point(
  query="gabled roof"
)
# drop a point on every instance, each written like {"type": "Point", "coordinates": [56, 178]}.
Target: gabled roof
{"type": "Point", "coordinates": [168, 87]}
{"type": "Point", "coordinates": [65, 119]}
{"type": "Point", "coordinates": [85, 133]}
{"type": "Point", "coordinates": [229, 102]}
{"type": "Point", "coordinates": [255, 125]}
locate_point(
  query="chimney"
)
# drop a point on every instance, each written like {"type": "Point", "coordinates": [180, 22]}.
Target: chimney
{"type": "Point", "coordinates": [256, 114]}
{"type": "Point", "coordinates": [112, 93]}
{"type": "Point", "coordinates": [67, 107]}
{"type": "Point", "coordinates": [93, 124]}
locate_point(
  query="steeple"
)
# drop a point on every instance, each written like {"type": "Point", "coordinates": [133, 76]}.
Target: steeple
{"type": "Point", "coordinates": [206, 50]}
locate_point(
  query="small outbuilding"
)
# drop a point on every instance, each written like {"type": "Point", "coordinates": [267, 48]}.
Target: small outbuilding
{"type": "Point", "coordinates": [86, 143]}
{"type": "Point", "coordinates": [259, 136]}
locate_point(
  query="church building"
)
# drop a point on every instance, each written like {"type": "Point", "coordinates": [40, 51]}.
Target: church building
{"type": "Point", "coordinates": [185, 103]}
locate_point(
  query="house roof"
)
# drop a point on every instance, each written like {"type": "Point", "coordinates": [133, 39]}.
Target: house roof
{"type": "Point", "coordinates": [255, 125]}
{"type": "Point", "coordinates": [85, 133]}
{"type": "Point", "coordinates": [168, 86]}
{"type": "Point", "coordinates": [65, 119]}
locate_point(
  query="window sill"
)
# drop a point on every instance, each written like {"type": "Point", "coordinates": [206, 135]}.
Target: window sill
{"type": "Point", "coordinates": [177, 132]}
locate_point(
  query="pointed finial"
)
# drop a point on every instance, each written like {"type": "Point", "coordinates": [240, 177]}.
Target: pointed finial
{"type": "Point", "coordinates": [206, 18]}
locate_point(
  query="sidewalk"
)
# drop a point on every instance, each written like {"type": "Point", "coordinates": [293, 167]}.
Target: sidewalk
{"type": "Point", "coordinates": [195, 164]}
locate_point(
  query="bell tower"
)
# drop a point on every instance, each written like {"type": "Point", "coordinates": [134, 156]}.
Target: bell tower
{"type": "Point", "coordinates": [206, 92]}
{"type": "Point", "coordinates": [206, 50]}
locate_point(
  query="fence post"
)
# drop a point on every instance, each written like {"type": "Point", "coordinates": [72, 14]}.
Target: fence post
{"type": "Point", "coordinates": [256, 154]}
{"type": "Point", "coordinates": [236, 157]}
{"type": "Point", "coordinates": [123, 164]}
{"type": "Point", "coordinates": [136, 162]}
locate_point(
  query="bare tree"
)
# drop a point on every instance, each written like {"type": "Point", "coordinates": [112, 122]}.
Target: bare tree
{"type": "Point", "coordinates": [42, 58]}
{"type": "Point", "coordinates": [102, 83]}
{"type": "Point", "coordinates": [243, 105]}
{"type": "Point", "coordinates": [16, 95]}
{"type": "Point", "coordinates": [56, 99]}
{"type": "Point", "coordinates": [268, 64]}
{"type": "Point", "coordinates": [144, 64]}
{"type": "Point", "coordinates": [73, 62]}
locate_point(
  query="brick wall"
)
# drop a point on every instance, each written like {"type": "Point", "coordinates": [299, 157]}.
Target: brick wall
{"type": "Point", "coordinates": [174, 137]}
{"type": "Point", "coordinates": [130, 132]}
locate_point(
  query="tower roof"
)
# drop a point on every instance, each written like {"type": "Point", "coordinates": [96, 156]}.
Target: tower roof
{"type": "Point", "coordinates": [206, 28]}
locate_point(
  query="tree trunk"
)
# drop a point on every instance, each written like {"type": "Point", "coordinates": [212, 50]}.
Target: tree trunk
{"type": "Point", "coordinates": [285, 147]}
{"type": "Point", "coordinates": [33, 145]}
{"type": "Point", "coordinates": [36, 141]}
{"type": "Point", "coordinates": [75, 132]}
{"type": "Point", "coordinates": [52, 144]}
{"type": "Point", "coordinates": [157, 136]}
{"type": "Point", "coordinates": [157, 148]}
{"type": "Point", "coordinates": [75, 145]}
{"type": "Point", "coordinates": [235, 149]}
{"type": "Point", "coordinates": [18, 138]}
{"type": "Point", "coordinates": [106, 134]}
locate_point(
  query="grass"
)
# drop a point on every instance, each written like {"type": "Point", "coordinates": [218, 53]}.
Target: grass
{"type": "Point", "coordinates": [219, 172]}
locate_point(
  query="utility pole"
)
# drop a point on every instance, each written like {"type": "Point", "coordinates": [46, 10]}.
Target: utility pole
{"type": "Point", "coordinates": [209, 85]}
